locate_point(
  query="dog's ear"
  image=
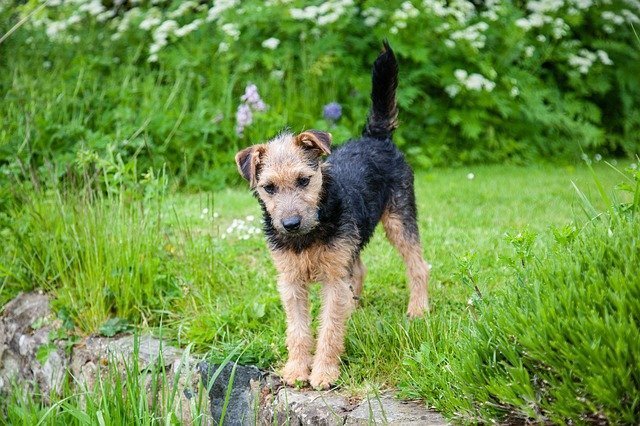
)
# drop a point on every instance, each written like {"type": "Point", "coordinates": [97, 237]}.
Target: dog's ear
{"type": "Point", "coordinates": [248, 161]}
{"type": "Point", "coordinates": [315, 140]}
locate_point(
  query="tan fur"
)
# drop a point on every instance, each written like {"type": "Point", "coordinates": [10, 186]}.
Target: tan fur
{"type": "Point", "coordinates": [283, 161]}
{"type": "Point", "coordinates": [417, 269]}
{"type": "Point", "coordinates": [332, 265]}
{"type": "Point", "coordinates": [358, 273]}
{"type": "Point", "coordinates": [295, 298]}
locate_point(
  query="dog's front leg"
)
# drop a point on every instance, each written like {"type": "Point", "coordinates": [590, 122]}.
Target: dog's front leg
{"type": "Point", "coordinates": [295, 299]}
{"type": "Point", "coordinates": [337, 305]}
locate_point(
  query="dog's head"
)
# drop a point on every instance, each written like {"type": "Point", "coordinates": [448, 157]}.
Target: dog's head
{"type": "Point", "coordinates": [286, 174]}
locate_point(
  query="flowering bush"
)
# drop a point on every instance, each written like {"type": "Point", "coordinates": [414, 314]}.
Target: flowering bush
{"type": "Point", "coordinates": [479, 82]}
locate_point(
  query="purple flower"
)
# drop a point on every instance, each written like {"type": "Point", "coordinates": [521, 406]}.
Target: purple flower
{"type": "Point", "coordinates": [332, 111]}
{"type": "Point", "coordinates": [252, 98]}
{"type": "Point", "coordinates": [251, 101]}
{"type": "Point", "coordinates": [244, 117]}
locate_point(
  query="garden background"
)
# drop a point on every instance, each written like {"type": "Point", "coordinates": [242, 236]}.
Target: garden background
{"type": "Point", "coordinates": [119, 195]}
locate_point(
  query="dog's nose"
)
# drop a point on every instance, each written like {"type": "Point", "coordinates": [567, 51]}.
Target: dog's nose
{"type": "Point", "coordinates": [291, 223]}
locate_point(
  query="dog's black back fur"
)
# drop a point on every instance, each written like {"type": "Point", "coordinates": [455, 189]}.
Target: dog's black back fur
{"type": "Point", "coordinates": [364, 177]}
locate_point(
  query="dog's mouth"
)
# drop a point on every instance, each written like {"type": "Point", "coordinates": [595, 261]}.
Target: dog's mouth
{"type": "Point", "coordinates": [295, 232]}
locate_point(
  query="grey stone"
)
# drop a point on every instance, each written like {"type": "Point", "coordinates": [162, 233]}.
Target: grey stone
{"type": "Point", "coordinates": [385, 409]}
{"type": "Point", "coordinates": [20, 343]}
{"type": "Point", "coordinates": [329, 408]}
{"type": "Point", "coordinates": [242, 406]}
{"type": "Point", "coordinates": [306, 407]}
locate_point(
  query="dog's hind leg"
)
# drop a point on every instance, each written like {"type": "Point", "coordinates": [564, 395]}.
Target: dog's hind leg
{"type": "Point", "coordinates": [400, 225]}
{"type": "Point", "coordinates": [358, 273]}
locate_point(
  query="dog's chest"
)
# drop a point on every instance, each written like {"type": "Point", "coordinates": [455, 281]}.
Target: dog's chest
{"type": "Point", "coordinates": [317, 263]}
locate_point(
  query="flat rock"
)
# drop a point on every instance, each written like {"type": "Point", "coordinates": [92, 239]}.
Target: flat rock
{"type": "Point", "coordinates": [300, 407]}
{"type": "Point", "coordinates": [386, 409]}
{"type": "Point", "coordinates": [330, 408]}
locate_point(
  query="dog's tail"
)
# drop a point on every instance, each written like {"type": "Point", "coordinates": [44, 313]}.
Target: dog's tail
{"type": "Point", "coordinates": [383, 117]}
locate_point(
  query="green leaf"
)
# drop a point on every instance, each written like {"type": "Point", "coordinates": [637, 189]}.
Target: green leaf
{"type": "Point", "coordinates": [114, 326]}
{"type": "Point", "coordinates": [43, 352]}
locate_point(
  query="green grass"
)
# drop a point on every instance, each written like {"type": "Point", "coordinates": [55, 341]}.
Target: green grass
{"type": "Point", "coordinates": [164, 259]}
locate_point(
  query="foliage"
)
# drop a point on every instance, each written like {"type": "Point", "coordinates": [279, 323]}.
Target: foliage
{"type": "Point", "coordinates": [114, 326]}
{"type": "Point", "coordinates": [161, 82]}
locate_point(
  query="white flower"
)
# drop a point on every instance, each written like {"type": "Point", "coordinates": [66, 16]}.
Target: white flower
{"type": "Point", "coordinates": [216, 215]}
{"type": "Point", "coordinates": [491, 15]}
{"type": "Point", "coordinates": [583, 4]}
{"type": "Point", "coordinates": [597, 157]}
{"type": "Point", "coordinates": [452, 90]}
{"type": "Point", "coordinates": [277, 74]}
{"type": "Point", "coordinates": [231, 30]}
{"type": "Point", "coordinates": [604, 57]}
{"type": "Point", "coordinates": [583, 61]}
{"type": "Point", "coordinates": [612, 17]}
{"type": "Point", "coordinates": [475, 82]}
{"type": "Point", "coordinates": [94, 7]}
{"type": "Point", "coordinates": [470, 176]}
{"type": "Point", "coordinates": [54, 28]}
{"type": "Point", "coordinates": [250, 218]}
{"type": "Point", "coordinates": [410, 9]}
{"type": "Point", "coordinates": [371, 16]}
{"type": "Point", "coordinates": [271, 43]}
{"type": "Point", "coordinates": [529, 51]}
{"type": "Point", "coordinates": [515, 91]}
{"type": "Point", "coordinates": [182, 9]}
{"type": "Point", "coordinates": [74, 19]}
{"type": "Point", "coordinates": [630, 16]}
{"type": "Point", "coordinates": [150, 22]}
{"type": "Point", "coordinates": [461, 75]}
{"type": "Point", "coordinates": [523, 23]}
{"type": "Point", "coordinates": [205, 211]}
{"type": "Point", "coordinates": [450, 43]}
{"type": "Point", "coordinates": [219, 7]}
{"type": "Point", "coordinates": [223, 47]}
{"type": "Point", "coordinates": [188, 28]}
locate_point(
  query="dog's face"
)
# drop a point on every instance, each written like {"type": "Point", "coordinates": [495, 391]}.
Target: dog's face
{"type": "Point", "coordinates": [286, 174]}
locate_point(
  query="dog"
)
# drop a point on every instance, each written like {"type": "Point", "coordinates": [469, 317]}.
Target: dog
{"type": "Point", "coordinates": [320, 209]}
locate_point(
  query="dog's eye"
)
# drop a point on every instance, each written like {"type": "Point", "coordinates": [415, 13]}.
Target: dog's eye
{"type": "Point", "coordinates": [303, 182]}
{"type": "Point", "coordinates": [270, 189]}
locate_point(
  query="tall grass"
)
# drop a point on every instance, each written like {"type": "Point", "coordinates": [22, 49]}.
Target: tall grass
{"type": "Point", "coordinates": [100, 256]}
{"type": "Point", "coordinates": [559, 343]}
{"type": "Point", "coordinates": [123, 393]}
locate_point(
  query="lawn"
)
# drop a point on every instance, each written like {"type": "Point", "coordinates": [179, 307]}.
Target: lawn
{"type": "Point", "coordinates": [197, 265]}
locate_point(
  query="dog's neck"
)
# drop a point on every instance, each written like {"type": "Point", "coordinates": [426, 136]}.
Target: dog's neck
{"type": "Point", "coordinates": [329, 211]}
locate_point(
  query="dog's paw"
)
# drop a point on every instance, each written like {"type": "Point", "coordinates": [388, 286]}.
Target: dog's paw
{"type": "Point", "coordinates": [295, 371]}
{"type": "Point", "coordinates": [323, 376]}
{"type": "Point", "coordinates": [417, 310]}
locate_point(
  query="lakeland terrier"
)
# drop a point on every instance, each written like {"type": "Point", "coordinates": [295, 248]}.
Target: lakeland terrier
{"type": "Point", "coordinates": [319, 213]}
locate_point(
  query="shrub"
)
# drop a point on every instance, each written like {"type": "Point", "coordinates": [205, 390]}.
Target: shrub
{"type": "Point", "coordinates": [162, 81]}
